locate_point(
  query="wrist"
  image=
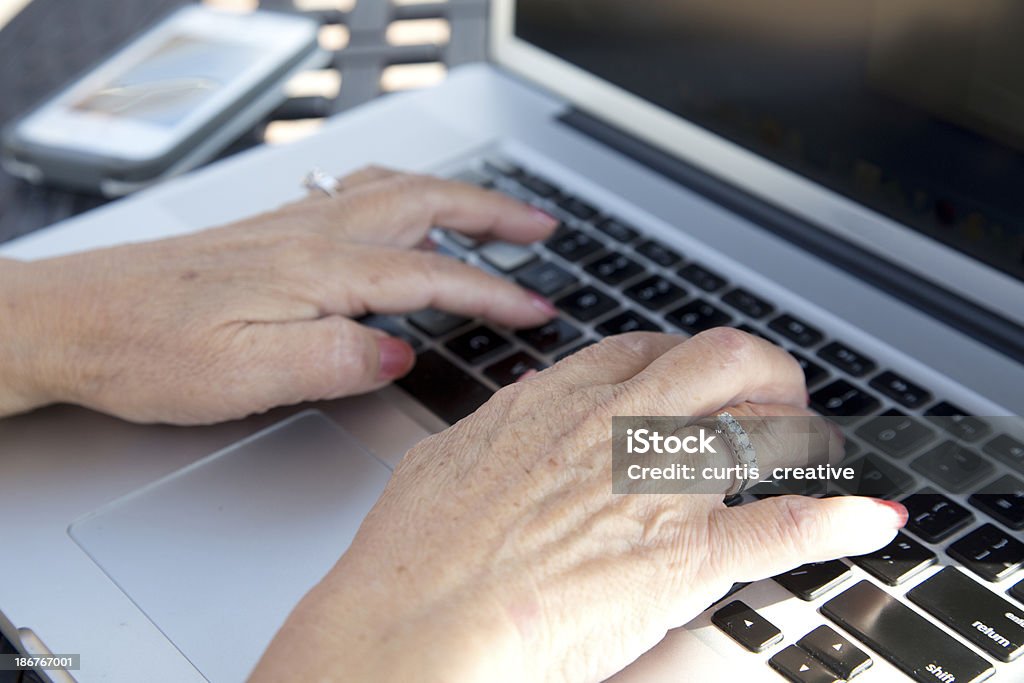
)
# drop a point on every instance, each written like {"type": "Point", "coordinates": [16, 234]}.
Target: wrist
{"type": "Point", "coordinates": [21, 355]}
{"type": "Point", "coordinates": [364, 631]}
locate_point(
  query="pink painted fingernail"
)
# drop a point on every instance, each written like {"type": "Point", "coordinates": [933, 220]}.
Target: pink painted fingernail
{"type": "Point", "coordinates": [542, 304]}
{"type": "Point", "coordinates": [544, 218]}
{"type": "Point", "coordinates": [899, 513]}
{"type": "Point", "coordinates": [526, 375]}
{"type": "Point", "coordinates": [396, 359]}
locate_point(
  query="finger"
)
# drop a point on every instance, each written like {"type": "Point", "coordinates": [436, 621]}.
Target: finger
{"type": "Point", "coordinates": [393, 281]}
{"type": "Point", "coordinates": [366, 175]}
{"type": "Point", "coordinates": [288, 363]}
{"type": "Point", "coordinates": [714, 369]}
{"type": "Point", "coordinates": [400, 210]}
{"type": "Point", "coordinates": [775, 535]}
{"type": "Point", "coordinates": [614, 359]}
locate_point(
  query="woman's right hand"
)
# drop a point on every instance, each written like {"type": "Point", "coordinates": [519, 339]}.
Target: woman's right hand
{"type": "Point", "coordinates": [499, 552]}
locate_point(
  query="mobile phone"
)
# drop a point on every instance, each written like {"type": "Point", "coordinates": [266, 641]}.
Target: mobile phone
{"type": "Point", "coordinates": [167, 102]}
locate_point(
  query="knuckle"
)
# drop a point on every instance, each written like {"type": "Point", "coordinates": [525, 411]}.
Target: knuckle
{"type": "Point", "coordinates": [732, 347]}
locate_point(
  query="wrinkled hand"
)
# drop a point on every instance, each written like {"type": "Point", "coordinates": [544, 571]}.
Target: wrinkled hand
{"type": "Point", "coordinates": [237, 320]}
{"type": "Point", "coordinates": [499, 553]}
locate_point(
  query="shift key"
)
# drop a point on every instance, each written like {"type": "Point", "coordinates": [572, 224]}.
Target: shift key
{"type": "Point", "coordinates": [904, 638]}
{"type": "Point", "coordinates": [979, 615]}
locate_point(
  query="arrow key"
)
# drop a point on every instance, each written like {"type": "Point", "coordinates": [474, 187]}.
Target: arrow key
{"type": "Point", "coordinates": [799, 667]}
{"type": "Point", "coordinates": [746, 626]}
{"type": "Point", "coordinates": [838, 653]}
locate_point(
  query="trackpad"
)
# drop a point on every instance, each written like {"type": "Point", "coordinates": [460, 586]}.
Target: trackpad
{"type": "Point", "coordinates": [217, 554]}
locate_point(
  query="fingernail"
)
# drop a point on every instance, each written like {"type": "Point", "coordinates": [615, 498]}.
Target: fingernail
{"type": "Point", "coordinates": [396, 359]}
{"type": "Point", "coordinates": [542, 304]}
{"type": "Point", "coordinates": [899, 513]}
{"type": "Point", "coordinates": [526, 375]}
{"type": "Point", "coordinates": [543, 217]}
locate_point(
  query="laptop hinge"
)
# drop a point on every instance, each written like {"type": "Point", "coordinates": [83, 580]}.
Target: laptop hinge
{"type": "Point", "coordinates": [953, 310]}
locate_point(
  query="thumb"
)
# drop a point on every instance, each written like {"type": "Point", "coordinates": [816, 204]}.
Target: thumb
{"type": "Point", "coordinates": [320, 359]}
{"type": "Point", "coordinates": [762, 539]}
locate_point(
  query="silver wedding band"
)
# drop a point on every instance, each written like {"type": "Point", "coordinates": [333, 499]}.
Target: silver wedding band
{"type": "Point", "coordinates": [742, 448]}
{"type": "Point", "coordinates": [320, 181]}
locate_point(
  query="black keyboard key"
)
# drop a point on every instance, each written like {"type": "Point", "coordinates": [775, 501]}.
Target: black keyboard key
{"type": "Point", "coordinates": [811, 581]}
{"type": "Point", "coordinates": [1003, 501]}
{"type": "Point", "coordinates": [502, 167]}
{"type": "Point", "coordinates": [901, 390]}
{"type": "Point", "coordinates": [550, 336]}
{"type": "Point", "coordinates": [874, 476]}
{"type": "Point", "coordinates": [507, 257]}
{"type": "Point", "coordinates": [545, 278]}
{"type": "Point", "coordinates": [509, 370]}
{"type": "Point", "coordinates": [993, 624]}
{"type": "Point", "coordinates": [846, 359]}
{"type": "Point", "coordinates": [626, 322]}
{"type": "Point", "coordinates": [655, 293]}
{"type": "Point", "coordinates": [957, 422]}
{"type": "Point", "coordinates": [577, 207]}
{"type": "Point", "coordinates": [904, 638]}
{"type": "Point", "coordinates": [952, 466]}
{"type": "Point", "coordinates": [477, 344]}
{"type": "Point", "coordinates": [813, 373]}
{"type": "Point", "coordinates": [796, 330]}
{"type": "Point", "coordinates": [1007, 449]}
{"type": "Point", "coordinates": [934, 517]}
{"type": "Point", "coordinates": [573, 245]}
{"type": "Point", "coordinates": [838, 653]}
{"type": "Point", "coordinates": [746, 626]}
{"type": "Point", "coordinates": [659, 253]}
{"type": "Point", "coordinates": [895, 433]}
{"type": "Point", "coordinates": [989, 552]}
{"type": "Point", "coordinates": [538, 186]}
{"type": "Point", "coordinates": [437, 323]}
{"type": "Point", "coordinates": [798, 666]}
{"type": "Point", "coordinates": [614, 269]}
{"type": "Point", "coordinates": [748, 304]}
{"type": "Point", "coordinates": [587, 303]}
{"type": "Point", "coordinates": [895, 563]}
{"type": "Point", "coordinates": [706, 279]}
{"type": "Point", "coordinates": [443, 388]}
{"type": "Point", "coordinates": [565, 354]}
{"type": "Point", "coordinates": [842, 399]}
{"type": "Point", "coordinates": [698, 316]}
{"type": "Point", "coordinates": [1017, 590]}
{"type": "Point", "coordinates": [617, 231]}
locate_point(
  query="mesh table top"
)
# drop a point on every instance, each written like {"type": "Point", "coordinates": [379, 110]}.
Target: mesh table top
{"type": "Point", "coordinates": [377, 46]}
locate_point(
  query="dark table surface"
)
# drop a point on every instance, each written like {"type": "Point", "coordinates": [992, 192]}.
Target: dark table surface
{"type": "Point", "coordinates": [52, 41]}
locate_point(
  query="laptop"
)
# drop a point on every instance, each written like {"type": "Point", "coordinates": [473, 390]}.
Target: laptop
{"type": "Point", "coordinates": [840, 178]}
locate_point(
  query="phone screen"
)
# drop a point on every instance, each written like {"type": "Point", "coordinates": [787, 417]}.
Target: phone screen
{"type": "Point", "coordinates": [172, 80]}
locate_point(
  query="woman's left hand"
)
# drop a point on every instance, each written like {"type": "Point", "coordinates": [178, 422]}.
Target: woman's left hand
{"type": "Point", "coordinates": [233, 321]}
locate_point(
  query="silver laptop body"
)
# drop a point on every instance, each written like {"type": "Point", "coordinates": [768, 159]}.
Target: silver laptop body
{"type": "Point", "coordinates": [167, 554]}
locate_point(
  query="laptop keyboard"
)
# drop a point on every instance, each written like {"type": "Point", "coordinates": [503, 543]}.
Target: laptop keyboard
{"type": "Point", "coordinates": [958, 475]}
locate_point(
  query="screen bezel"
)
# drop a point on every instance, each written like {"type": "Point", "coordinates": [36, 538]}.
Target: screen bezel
{"type": "Point", "coordinates": [829, 211]}
{"type": "Point", "coordinates": [58, 123]}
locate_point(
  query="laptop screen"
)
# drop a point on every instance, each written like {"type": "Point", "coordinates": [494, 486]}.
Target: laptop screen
{"type": "Point", "coordinates": [914, 108]}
